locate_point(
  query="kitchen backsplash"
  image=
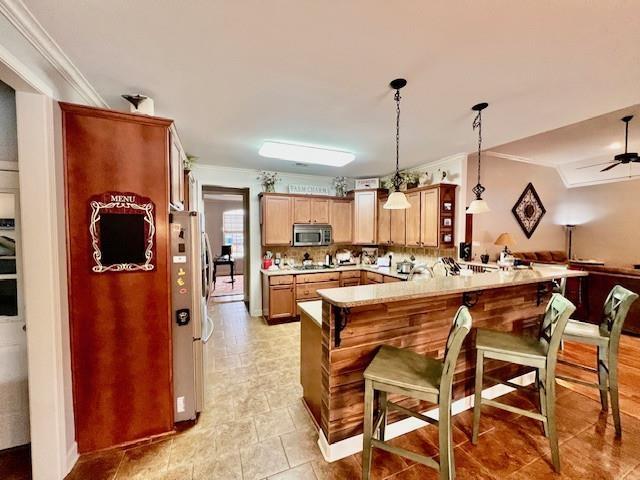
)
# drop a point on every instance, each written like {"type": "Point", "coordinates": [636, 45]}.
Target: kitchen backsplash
{"type": "Point", "coordinates": [423, 255]}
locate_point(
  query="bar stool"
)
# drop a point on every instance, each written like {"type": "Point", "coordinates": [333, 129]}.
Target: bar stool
{"type": "Point", "coordinates": [606, 337]}
{"type": "Point", "coordinates": [395, 370]}
{"type": "Point", "coordinates": [540, 353]}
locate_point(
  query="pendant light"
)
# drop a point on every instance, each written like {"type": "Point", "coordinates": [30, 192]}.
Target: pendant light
{"type": "Point", "coordinates": [478, 205]}
{"type": "Point", "coordinates": [397, 200]}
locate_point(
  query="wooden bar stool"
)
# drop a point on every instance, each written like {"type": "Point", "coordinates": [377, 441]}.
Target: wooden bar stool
{"type": "Point", "coordinates": [395, 370]}
{"type": "Point", "coordinates": [606, 337]}
{"type": "Point", "coordinates": [540, 353]}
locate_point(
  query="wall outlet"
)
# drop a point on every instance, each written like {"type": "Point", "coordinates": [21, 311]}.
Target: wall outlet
{"type": "Point", "coordinates": [180, 404]}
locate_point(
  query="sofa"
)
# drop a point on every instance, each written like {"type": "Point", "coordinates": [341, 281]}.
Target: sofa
{"type": "Point", "coordinates": [543, 256]}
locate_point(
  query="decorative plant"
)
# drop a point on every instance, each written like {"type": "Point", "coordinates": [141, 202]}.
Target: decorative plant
{"type": "Point", "coordinates": [409, 178]}
{"type": "Point", "coordinates": [268, 180]}
{"type": "Point", "coordinates": [340, 184]}
{"type": "Point", "coordinates": [189, 161]}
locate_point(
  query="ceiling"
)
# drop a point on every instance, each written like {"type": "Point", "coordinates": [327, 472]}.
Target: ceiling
{"type": "Point", "coordinates": [233, 74]}
{"type": "Point", "coordinates": [578, 150]}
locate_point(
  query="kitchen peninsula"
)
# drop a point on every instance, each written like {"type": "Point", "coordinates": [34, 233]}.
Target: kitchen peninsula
{"type": "Point", "coordinates": [417, 315]}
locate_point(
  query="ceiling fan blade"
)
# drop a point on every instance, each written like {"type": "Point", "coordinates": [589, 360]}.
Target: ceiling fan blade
{"type": "Point", "coordinates": [596, 165]}
{"type": "Point", "coordinates": [610, 167]}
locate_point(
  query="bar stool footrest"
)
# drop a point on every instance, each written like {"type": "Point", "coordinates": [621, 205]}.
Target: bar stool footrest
{"type": "Point", "coordinates": [512, 409]}
{"type": "Point", "coordinates": [416, 457]}
{"type": "Point", "coordinates": [581, 382]}
{"type": "Point", "coordinates": [406, 411]}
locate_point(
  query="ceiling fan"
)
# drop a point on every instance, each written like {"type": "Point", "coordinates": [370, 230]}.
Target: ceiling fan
{"type": "Point", "coordinates": [621, 158]}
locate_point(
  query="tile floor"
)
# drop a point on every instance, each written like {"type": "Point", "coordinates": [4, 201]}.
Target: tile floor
{"type": "Point", "coordinates": [255, 427]}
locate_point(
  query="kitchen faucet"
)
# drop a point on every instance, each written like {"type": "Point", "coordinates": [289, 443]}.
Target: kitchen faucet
{"type": "Point", "coordinates": [422, 268]}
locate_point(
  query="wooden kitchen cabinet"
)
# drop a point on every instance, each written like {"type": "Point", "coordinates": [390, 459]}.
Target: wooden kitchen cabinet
{"type": "Point", "coordinates": [276, 217]}
{"type": "Point", "coordinates": [176, 171]}
{"type": "Point", "coordinates": [340, 218]}
{"type": "Point", "coordinates": [282, 302]}
{"type": "Point", "coordinates": [430, 218]}
{"type": "Point", "coordinates": [412, 222]}
{"type": "Point", "coordinates": [384, 224]}
{"type": "Point", "coordinates": [398, 226]}
{"type": "Point", "coordinates": [310, 210]}
{"type": "Point", "coordinates": [365, 217]}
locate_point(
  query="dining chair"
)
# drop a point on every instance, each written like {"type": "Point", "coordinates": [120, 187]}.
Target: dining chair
{"type": "Point", "coordinates": [606, 337]}
{"type": "Point", "coordinates": [540, 353]}
{"type": "Point", "coordinates": [396, 370]}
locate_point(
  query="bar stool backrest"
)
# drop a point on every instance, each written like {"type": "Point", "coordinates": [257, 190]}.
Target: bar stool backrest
{"type": "Point", "coordinates": [615, 310]}
{"type": "Point", "coordinates": [457, 333]}
{"type": "Point", "coordinates": [556, 316]}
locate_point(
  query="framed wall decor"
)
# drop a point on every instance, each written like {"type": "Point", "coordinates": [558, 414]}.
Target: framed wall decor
{"type": "Point", "coordinates": [366, 183]}
{"type": "Point", "coordinates": [529, 210]}
{"type": "Point", "coordinates": [122, 228]}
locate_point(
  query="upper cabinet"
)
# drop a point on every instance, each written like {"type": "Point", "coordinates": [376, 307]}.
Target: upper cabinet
{"type": "Point", "coordinates": [398, 226]}
{"type": "Point", "coordinates": [384, 223]}
{"type": "Point", "coordinates": [365, 213]}
{"type": "Point", "coordinates": [276, 218]}
{"type": "Point", "coordinates": [412, 229]}
{"type": "Point", "coordinates": [429, 219]}
{"type": "Point", "coordinates": [176, 171]}
{"type": "Point", "coordinates": [310, 210]}
{"type": "Point", "coordinates": [341, 219]}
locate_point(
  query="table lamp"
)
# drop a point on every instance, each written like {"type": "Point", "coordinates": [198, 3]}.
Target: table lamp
{"type": "Point", "coordinates": [505, 239]}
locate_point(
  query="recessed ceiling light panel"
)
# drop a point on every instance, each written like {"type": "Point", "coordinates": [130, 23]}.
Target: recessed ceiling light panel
{"type": "Point", "coordinates": [306, 154]}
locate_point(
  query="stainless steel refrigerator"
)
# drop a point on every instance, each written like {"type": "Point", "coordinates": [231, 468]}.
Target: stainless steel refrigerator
{"type": "Point", "coordinates": [191, 324]}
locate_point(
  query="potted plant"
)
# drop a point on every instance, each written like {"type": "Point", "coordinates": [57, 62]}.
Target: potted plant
{"type": "Point", "coordinates": [268, 180]}
{"type": "Point", "coordinates": [340, 184]}
{"type": "Point", "coordinates": [189, 161]}
{"type": "Point", "coordinates": [410, 179]}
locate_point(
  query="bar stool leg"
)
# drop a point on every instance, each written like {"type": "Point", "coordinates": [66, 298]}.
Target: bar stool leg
{"type": "Point", "coordinates": [447, 462]}
{"type": "Point", "coordinates": [615, 400]}
{"type": "Point", "coordinates": [602, 377]}
{"type": "Point", "coordinates": [368, 429]}
{"type": "Point", "coordinates": [550, 400]}
{"type": "Point", "coordinates": [541, 381]}
{"type": "Point", "coordinates": [477, 402]}
{"type": "Point", "coordinates": [382, 406]}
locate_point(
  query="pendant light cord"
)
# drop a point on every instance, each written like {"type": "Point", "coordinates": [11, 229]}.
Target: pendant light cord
{"type": "Point", "coordinates": [397, 180]}
{"type": "Point", "coordinates": [477, 124]}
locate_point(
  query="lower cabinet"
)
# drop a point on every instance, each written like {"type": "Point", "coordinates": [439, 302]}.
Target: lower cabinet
{"type": "Point", "coordinates": [281, 302]}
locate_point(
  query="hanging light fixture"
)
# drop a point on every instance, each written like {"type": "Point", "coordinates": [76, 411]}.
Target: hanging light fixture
{"type": "Point", "coordinates": [478, 205]}
{"type": "Point", "coordinates": [397, 200]}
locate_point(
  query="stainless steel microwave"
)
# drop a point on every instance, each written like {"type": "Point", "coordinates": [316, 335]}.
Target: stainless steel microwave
{"type": "Point", "coordinates": [311, 235]}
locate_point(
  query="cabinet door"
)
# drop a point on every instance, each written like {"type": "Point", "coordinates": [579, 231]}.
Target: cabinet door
{"type": "Point", "coordinates": [277, 228]}
{"type": "Point", "coordinates": [301, 210]}
{"type": "Point", "coordinates": [281, 301]}
{"type": "Point", "coordinates": [319, 211]}
{"type": "Point", "coordinates": [398, 227]}
{"type": "Point", "coordinates": [365, 208]}
{"type": "Point", "coordinates": [384, 224]}
{"type": "Point", "coordinates": [341, 221]}
{"type": "Point", "coordinates": [430, 218]}
{"type": "Point", "coordinates": [413, 220]}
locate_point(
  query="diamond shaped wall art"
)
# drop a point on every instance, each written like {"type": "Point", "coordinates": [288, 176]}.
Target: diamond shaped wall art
{"type": "Point", "coordinates": [529, 210]}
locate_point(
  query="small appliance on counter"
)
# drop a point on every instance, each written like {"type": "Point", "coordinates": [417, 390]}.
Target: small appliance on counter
{"type": "Point", "coordinates": [404, 266]}
{"type": "Point", "coordinates": [344, 258]}
{"type": "Point", "coordinates": [384, 261]}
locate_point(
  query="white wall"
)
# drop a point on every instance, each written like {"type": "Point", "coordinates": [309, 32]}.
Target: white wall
{"type": "Point", "coordinates": [215, 176]}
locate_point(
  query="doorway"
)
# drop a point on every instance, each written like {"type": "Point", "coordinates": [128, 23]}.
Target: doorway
{"type": "Point", "coordinates": [15, 449]}
{"type": "Point", "coordinates": [226, 225]}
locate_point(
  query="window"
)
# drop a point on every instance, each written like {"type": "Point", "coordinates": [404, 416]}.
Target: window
{"type": "Point", "coordinates": [233, 231]}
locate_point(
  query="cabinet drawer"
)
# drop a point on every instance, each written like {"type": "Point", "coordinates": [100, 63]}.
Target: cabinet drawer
{"type": "Point", "coordinates": [281, 280]}
{"type": "Point", "coordinates": [350, 282]}
{"type": "Point", "coordinates": [374, 277]}
{"type": "Point", "coordinates": [351, 274]}
{"type": "Point", "coordinates": [310, 290]}
{"type": "Point", "coordinates": [318, 277]}
{"type": "Point", "coordinates": [389, 279]}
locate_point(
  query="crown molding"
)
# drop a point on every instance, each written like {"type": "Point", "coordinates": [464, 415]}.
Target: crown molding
{"type": "Point", "coordinates": [23, 20]}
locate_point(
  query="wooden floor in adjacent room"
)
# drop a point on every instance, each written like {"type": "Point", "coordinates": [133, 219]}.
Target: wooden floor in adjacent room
{"type": "Point", "coordinates": [255, 427]}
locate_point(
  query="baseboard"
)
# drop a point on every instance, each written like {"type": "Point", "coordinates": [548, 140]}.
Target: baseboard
{"type": "Point", "coordinates": [72, 457]}
{"type": "Point", "coordinates": [349, 446]}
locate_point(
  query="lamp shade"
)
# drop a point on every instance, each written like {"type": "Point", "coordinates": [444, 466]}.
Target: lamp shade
{"type": "Point", "coordinates": [505, 239]}
{"type": "Point", "coordinates": [396, 201]}
{"type": "Point", "coordinates": [478, 206]}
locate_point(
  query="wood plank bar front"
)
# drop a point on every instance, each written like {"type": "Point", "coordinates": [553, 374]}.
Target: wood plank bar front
{"type": "Point", "coordinates": [420, 325]}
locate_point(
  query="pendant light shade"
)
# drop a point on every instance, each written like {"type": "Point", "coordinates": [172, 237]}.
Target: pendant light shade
{"type": "Point", "coordinates": [478, 205]}
{"type": "Point", "coordinates": [397, 200]}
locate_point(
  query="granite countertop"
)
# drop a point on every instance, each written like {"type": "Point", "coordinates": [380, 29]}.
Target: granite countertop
{"type": "Point", "coordinates": [431, 287]}
{"type": "Point", "coordinates": [313, 309]}
{"type": "Point", "coordinates": [369, 268]}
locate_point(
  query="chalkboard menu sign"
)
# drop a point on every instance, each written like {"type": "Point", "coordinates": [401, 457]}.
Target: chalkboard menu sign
{"type": "Point", "coordinates": [122, 228]}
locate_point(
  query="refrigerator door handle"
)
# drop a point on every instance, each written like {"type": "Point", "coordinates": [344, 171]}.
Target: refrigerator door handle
{"type": "Point", "coordinates": [209, 329]}
{"type": "Point", "coordinates": [210, 266]}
